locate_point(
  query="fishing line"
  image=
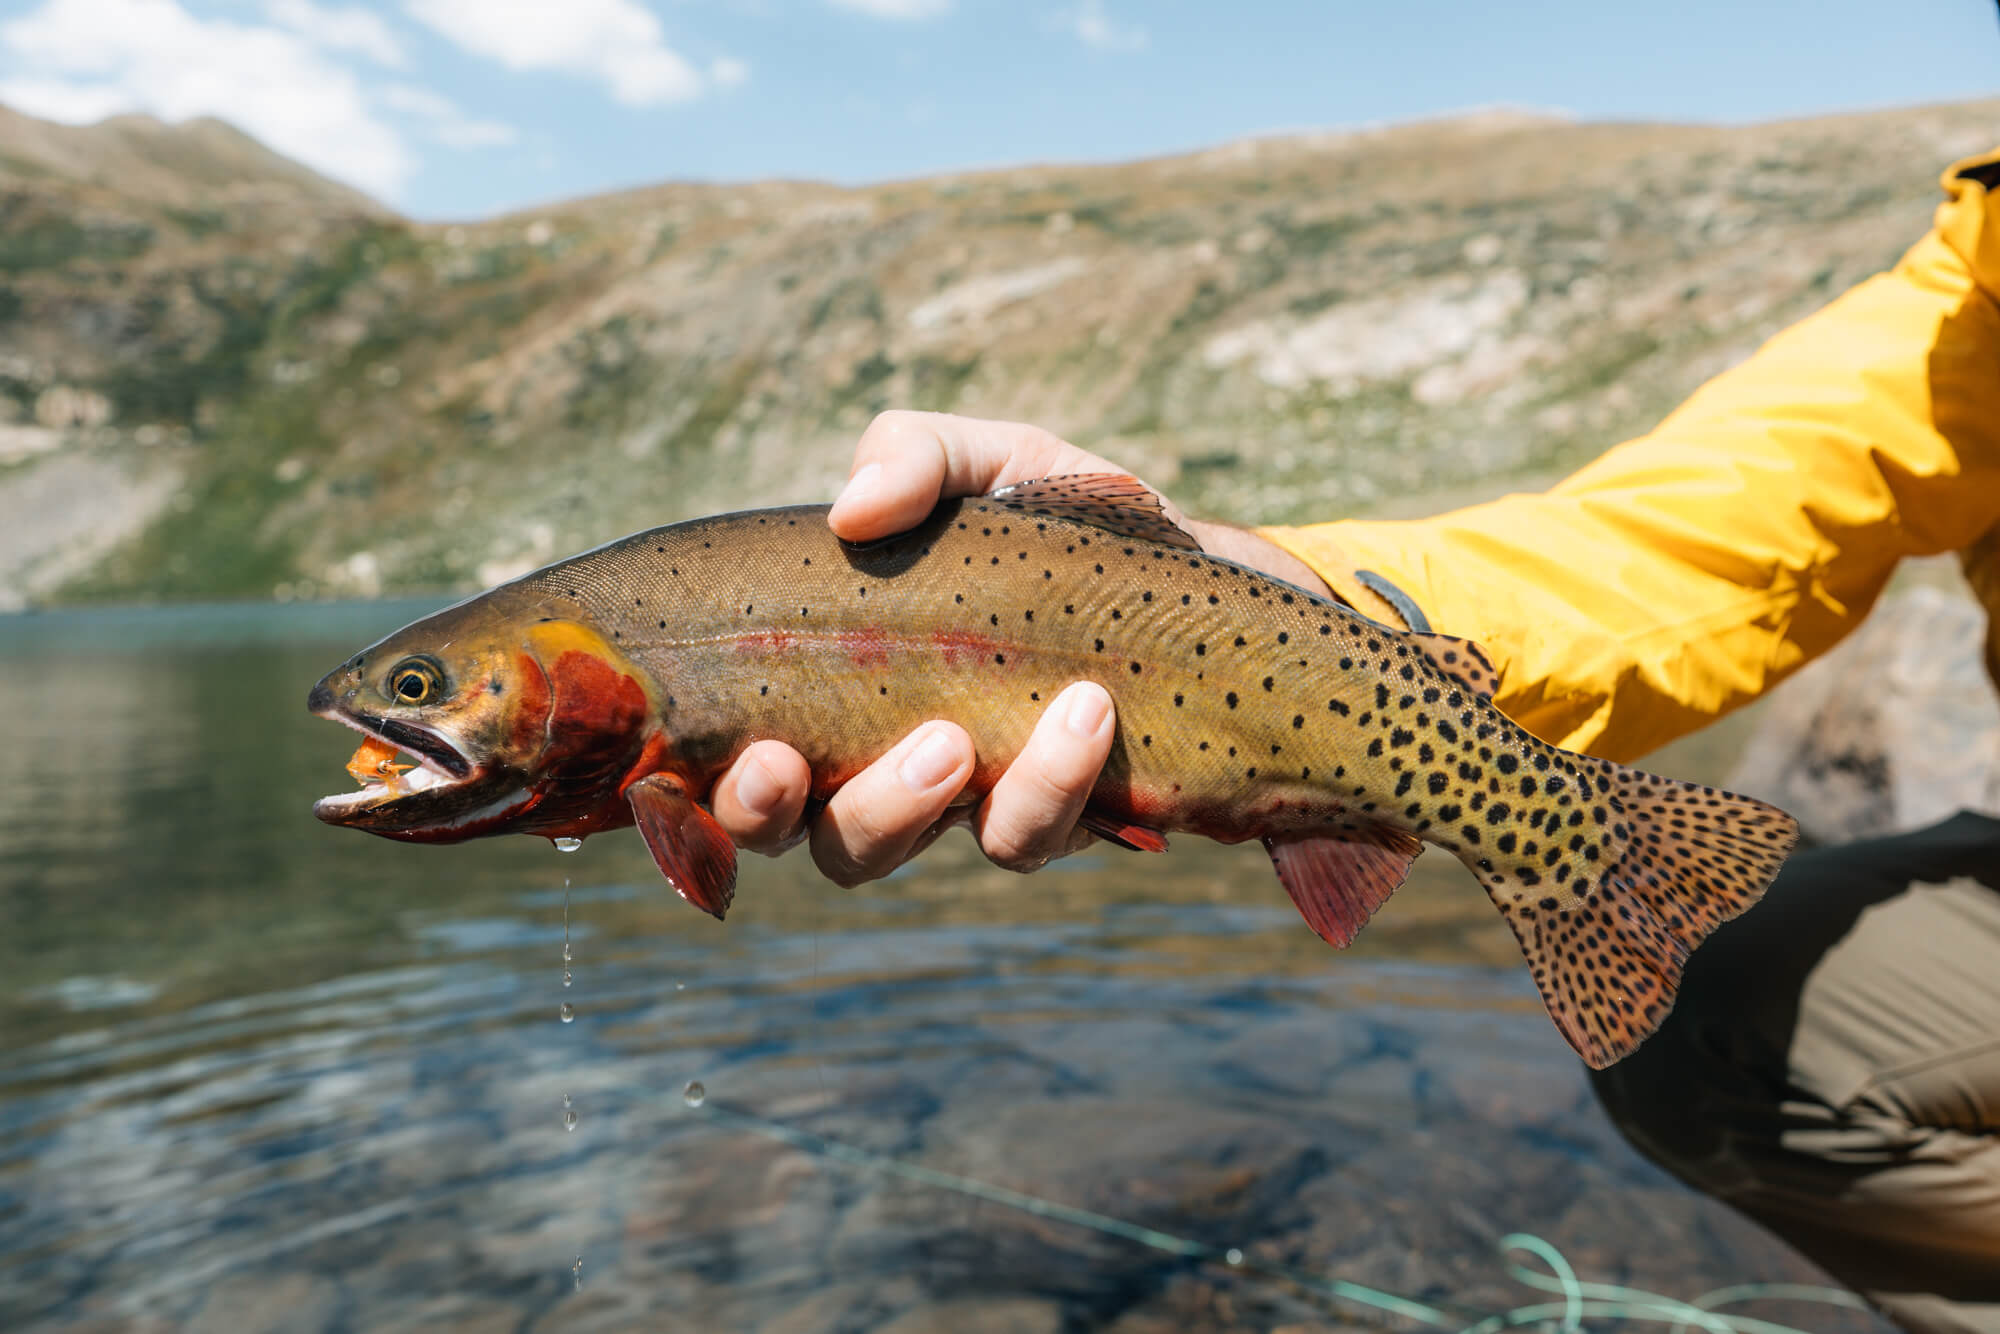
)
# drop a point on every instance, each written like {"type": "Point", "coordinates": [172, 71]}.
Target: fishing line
{"type": "Point", "coordinates": [1578, 1299]}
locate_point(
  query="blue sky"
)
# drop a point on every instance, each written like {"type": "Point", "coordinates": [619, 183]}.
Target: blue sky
{"type": "Point", "coordinates": [463, 108]}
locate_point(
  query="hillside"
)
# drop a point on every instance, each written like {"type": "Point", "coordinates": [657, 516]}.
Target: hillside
{"type": "Point", "coordinates": [223, 376]}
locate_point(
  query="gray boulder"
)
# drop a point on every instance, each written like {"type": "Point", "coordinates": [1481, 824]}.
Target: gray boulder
{"type": "Point", "coordinates": [1895, 729]}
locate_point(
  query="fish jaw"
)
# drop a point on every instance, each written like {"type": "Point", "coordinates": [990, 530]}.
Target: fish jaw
{"type": "Point", "coordinates": [444, 797]}
{"type": "Point", "coordinates": [545, 725]}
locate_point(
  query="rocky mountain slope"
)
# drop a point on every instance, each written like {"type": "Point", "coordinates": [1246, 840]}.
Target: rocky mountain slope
{"type": "Point", "coordinates": [223, 376]}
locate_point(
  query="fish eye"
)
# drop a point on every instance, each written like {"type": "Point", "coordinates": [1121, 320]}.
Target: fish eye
{"type": "Point", "coordinates": [415, 681]}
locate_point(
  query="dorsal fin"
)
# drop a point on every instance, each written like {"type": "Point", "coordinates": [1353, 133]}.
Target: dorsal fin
{"type": "Point", "coordinates": [1462, 660]}
{"type": "Point", "coordinates": [1114, 501]}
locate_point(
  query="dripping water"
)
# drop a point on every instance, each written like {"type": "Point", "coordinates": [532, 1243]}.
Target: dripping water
{"type": "Point", "coordinates": [568, 1013]}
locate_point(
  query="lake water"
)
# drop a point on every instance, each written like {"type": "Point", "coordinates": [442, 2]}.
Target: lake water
{"type": "Point", "coordinates": [260, 1074]}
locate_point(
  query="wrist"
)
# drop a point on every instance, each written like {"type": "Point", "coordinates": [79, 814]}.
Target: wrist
{"type": "Point", "coordinates": [1247, 548]}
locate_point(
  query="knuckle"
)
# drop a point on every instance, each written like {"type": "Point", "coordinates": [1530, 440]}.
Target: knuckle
{"type": "Point", "coordinates": [1016, 844]}
{"type": "Point", "coordinates": [1020, 860]}
{"type": "Point", "coordinates": [838, 863]}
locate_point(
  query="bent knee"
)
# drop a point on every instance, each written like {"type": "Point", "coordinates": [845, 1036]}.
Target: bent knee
{"type": "Point", "coordinates": [1691, 1089]}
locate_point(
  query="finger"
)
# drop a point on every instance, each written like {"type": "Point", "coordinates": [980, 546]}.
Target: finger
{"type": "Point", "coordinates": [878, 816]}
{"type": "Point", "coordinates": [906, 461]}
{"type": "Point", "coordinates": [1029, 818]}
{"type": "Point", "coordinates": [761, 798]}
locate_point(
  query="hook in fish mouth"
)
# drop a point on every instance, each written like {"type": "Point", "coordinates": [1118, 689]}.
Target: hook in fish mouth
{"type": "Point", "coordinates": [438, 764]}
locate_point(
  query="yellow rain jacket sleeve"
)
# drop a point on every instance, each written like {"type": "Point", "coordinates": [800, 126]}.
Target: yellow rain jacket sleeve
{"type": "Point", "coordinates": [1688, 571]}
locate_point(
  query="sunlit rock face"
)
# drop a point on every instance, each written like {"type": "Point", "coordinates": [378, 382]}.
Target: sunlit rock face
{"type": "Point", "coordinates": [1895, 729]}
{"type": "Point", "coordinates": [255, 382]}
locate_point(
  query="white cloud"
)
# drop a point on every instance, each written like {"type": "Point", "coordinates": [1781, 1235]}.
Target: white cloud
{"type": "Point", "coordinates": [727, 73]}
{"type": "Point", "coordinates": [616, 41]}
{"type": "Point", "coordinates": [897, 9]}
{"type": "Point", "coordinates": [443, 122]}
{"type": "Point", "coordinates": [80, 60]}
{"type": "Point", "coordinates": [1092, 25]}
{"type": "Point", "coordinates": [354, 30]}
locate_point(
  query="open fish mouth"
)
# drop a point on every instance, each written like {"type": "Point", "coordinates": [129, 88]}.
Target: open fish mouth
{"type": "Point", "coordinates": [395, 761]}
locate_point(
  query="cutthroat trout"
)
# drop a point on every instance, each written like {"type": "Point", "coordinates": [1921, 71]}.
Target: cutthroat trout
{"type": "Point", "coordinates": [614, 688]}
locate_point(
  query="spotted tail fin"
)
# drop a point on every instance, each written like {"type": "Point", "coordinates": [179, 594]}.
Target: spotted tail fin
{"type": "Point", "coordinates": [1683, 860]}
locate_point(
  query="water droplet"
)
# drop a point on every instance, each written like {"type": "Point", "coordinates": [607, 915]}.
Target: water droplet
{"type": "Point", "coordinates": [567, 844]}
{"type": "Point", "coordinates": [566, 954]}
{"type": "Point", "coordinates": [680, 986]}
{"type": "Point", "coordinates": [568, 1013]}
{"type": "Point", "coordinates": [1233, 1256]}
{"type": "Point", "coordinates": [576, 1271]}
{"type": "Point", "coordinates": [694, 1094]}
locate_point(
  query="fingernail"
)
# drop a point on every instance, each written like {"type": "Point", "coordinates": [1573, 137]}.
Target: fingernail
{"type": "Point", "coordinates": [1085, 709]}
{"type": "Point", "coordinates": [860, 487]}
{"type": "Point", "coordinates": [934, 760]}
{"type": "Point", "coordinates": [758, 788]}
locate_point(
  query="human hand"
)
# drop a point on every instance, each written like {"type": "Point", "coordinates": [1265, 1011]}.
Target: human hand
{"type": "Point", "coordinates": [905, 463]}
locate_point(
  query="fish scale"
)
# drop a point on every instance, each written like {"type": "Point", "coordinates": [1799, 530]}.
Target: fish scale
{"type": "Point", "coordinates": [1246, 708]}
{"type": "Point", "coordinates": [799, 636]}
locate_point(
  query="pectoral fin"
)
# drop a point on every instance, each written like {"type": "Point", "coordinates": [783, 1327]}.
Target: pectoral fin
{"type": "Point", "coordinates": [687, 844]}
{"type": "Point", "coordinates": [1338, 881]}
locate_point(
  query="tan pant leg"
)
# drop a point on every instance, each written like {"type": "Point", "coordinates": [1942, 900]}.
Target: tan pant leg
{"type": "Point", "coordinates": [1833, 1071]}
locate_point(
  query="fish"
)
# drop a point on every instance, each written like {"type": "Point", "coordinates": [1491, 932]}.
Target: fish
{"type": "Point", "coordinates": [613, 689]}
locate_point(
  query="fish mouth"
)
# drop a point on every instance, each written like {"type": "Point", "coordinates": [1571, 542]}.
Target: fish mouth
{"type": "Point", "coordinates": [441, 796]}
{"type": "Point", "coordinates": [435, 763]}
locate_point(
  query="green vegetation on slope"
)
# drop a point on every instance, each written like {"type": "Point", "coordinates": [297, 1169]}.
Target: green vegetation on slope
{"type": "Point", "coordinates": [1280, 330]}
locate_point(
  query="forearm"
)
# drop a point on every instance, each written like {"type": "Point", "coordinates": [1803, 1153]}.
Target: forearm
{"type": "Point", "coordinates": [1246, 547]}
{"type": "Point", "coordinates": [1687, 572]}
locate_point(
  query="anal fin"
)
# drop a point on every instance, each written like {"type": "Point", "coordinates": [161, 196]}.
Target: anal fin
{"type": "Point", "coordinates": [688, 846]}
{"type": "Point", "coordinates": [1338, 880]}
{"type": "Point", "coordinates": [1137, 837]}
